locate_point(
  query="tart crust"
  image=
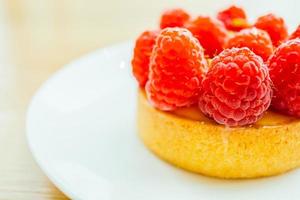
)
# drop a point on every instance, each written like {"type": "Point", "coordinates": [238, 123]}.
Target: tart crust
{"type": "Point", "coordinates": [196, 143]}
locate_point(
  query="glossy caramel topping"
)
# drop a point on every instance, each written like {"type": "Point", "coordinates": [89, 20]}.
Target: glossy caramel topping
{"type": "Point", "coordinates": [270, 118]}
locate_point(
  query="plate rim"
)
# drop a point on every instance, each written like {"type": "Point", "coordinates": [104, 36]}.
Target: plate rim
{"type": "Point", "coordinates": [50, 175]}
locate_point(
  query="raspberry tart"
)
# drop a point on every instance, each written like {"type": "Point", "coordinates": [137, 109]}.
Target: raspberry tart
{"type": "Point", "coordinates": [228, 112]}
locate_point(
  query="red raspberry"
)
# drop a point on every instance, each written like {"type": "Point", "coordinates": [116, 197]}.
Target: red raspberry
{"type": "Point", "coordinates": [141, 56]}
{"type": "Point", "coordinates": [295, 34]}
{"type": "Point", "coordinates": [275, 26]}
{"type": "Point", "coordinates": [237, 88]}
{"type": "Point", "coordinates": [284, 67]}
{"type": "Point", "coordinates": [234, 18]}
{"type": "Point", "coordinates": [255, 39]}
{"type": "Point", "coordinates": [176, 69]}
{"type": "Point", "coordinates": [210, 33]}
{"type": "Point", "coordinates": [174, 18]}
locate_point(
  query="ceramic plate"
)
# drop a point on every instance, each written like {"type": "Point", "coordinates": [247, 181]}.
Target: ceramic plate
{"type": "Point", "coordinates": [81, 131]}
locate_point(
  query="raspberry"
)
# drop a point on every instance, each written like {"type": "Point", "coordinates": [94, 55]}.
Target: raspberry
{"type": "Point", "coordinates": [141, 56]}
{"type": "Point", "coordinates": [174, 18]}
{"type": "Point", "coordinates": [275, 27]}
{"type": "Point", "coordinates": [284, 67]}
{"type": "Point", "coordinates": [176, 70]}
{"type": "Point", "coordinates": [255, 39]}
{"type": "Point", "coordinates": [295, 34]}
{"type": "Point", "coordinates": [237, 88]}
{"type": "Point", "coordinates": [210, 33]}
{"type": "Point", "coordinates": [234, 18]}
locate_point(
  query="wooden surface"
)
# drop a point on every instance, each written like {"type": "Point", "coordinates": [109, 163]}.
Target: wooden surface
{"type": "Point", "coordinates": [37, 37]}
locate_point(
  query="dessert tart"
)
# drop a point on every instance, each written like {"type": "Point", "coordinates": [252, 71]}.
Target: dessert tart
{"type": "Point", "coordinates": [229, 113]}
{"type": "Point", "coordinates": [189, 140]}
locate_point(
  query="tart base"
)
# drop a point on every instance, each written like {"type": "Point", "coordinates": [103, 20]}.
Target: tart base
{"type": "Point", "coordinates": [205, 147]}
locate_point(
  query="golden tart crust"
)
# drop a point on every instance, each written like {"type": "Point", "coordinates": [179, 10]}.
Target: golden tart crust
{"type": "Point", "coordinates": [193, 142]}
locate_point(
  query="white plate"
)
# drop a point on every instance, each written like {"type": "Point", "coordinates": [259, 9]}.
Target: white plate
{"type": "Point", "coordinates": [81, 131]}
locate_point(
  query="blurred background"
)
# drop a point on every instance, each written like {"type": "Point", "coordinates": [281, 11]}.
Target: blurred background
{"type": "Point", "coordinates": [37, 37]}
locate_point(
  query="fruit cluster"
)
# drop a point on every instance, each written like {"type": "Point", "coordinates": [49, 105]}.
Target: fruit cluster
{"type": "Point", "coordinates": [231, 69]}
